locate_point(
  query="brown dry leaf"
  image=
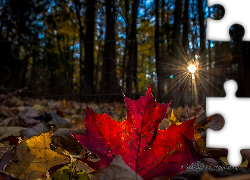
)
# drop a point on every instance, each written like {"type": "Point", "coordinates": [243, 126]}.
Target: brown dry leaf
{"type": "Point", "coordinates": [165, 123]}
{"type": "Point", "coordinates": [207, 176]}
{"type": "Point", "coordinates": [6, 176]}
{"type": "Point", "coordinates": [245, 153]}
{"type": "Point", "coordinates": [216, 123]}
{"type": "Point", "coordinates": [6, 159]}
{"type": "Point", "coordinates": [39, 108]}
{"type": "Point", "coordinates": [3, 149]}
{"type": "Point", "coordinates": [34, 158]}
{"type": "Point", "coordinates": [26, 117]}
{"type": "Point", "coordinates": [117, 170]}
{"type": "Point", "coordinates": [201, 119]}
{"type": "Point", "coordinates": [62, 138]}
{"type": "Point", "coordinates": [199, 143]}
{"type": "Point", "coordinates": [8, 131]}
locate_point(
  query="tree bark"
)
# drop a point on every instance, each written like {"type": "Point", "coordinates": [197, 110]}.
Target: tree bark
{"type": "Point", "coordinates": [132, 62]}
{"type": "Point", "coordinates": [126, 44]}
{"type": "Point", "coordinates": [183, 100]}
{"type": "Point", "coordinates": [174, 93]}
{"type": "Point", "coordinates": [81, 34]}
{"type": "Point", "coordinates": [202, 28]}
{"type": "Point", "coordinates": [110, 89]}
{"type": "Point", "coordinates": [185, 26]}
{"type": "Point", "coordinates": [177, 20]}
{"type": "Point", "coordinates": [88, 70]}
{"type": "Point", "coordinates": [160, 85]}
{"type": "Point", "coordinates": [202, 52]}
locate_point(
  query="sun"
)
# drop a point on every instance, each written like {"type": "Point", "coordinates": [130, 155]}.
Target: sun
{"type": "Point", "coordinates": [192, 68]}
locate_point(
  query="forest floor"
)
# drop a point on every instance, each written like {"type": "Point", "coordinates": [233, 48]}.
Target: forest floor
{"type": "Point", "coordinates": [28, 117]}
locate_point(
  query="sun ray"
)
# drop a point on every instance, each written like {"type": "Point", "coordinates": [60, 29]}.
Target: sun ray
{"type": "Point", "coordinates": [180, 85]}
{"type": "Point", "coordinates": [211, 84]}
{"type": "Point", "coordinates": [214, 73]}
{"type": "Point", "coordinates": [179, 58]}
{"type": "Point", "coordinates": [204, 57]}
{"type": "Point", "coordinates": [183, 89]}
{"type": "Point", "coordinates": [218, 61]}
{"type": "Point", "coordinates": [182, 48]}
{"type": "Point", "coordinates": [179, 72]}
{"type": "Point", "coordinates": [199, 83]}
{"type": "Point", "coordinates": [207, 88]}
{"type": "Point", "coordinates": [172, 64]}
{"type": "Point", "coordinates": [183, 76]}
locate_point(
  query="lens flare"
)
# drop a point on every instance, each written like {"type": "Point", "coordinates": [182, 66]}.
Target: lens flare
{"type": "Point", "coordinates": [192, 68]}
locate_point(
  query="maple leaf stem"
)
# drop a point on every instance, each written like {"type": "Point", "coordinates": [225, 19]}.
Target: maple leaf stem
{"type": "Point", "coordinates": [158, 159]}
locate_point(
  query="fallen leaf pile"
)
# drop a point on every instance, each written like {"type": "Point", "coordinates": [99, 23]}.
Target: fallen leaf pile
{"type": "Point", "coordinates": [141, 139]}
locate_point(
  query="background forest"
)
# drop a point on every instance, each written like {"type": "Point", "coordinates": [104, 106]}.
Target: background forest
{"type": "Point", "coordinates": [93, 51]}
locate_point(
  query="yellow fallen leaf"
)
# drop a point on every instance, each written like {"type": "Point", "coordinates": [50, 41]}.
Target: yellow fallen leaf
{"type": "Point", "coordinates": [34, 158]}
{"type": "Point", "coordinates": [173, 118]}
{"type": "Point", "coordinates": [243, 164]}
{"type": "Point", "coordinates": [64, 103]}
{"type": "Point", "coordinates": [69, 172]}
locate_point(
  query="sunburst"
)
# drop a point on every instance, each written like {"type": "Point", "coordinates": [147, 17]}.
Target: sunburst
{"type": "Point", "coordinates": [194, 78]}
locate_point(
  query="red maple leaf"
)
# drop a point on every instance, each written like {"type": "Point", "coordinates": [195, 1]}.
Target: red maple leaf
{"type": "Point", "coordinates": [146, 149]}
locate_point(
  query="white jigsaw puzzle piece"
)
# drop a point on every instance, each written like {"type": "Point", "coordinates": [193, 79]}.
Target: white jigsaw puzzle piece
{"type": "Point", "coordinates": [235, 13]}
{"type": "Point", "coordinates": [235, 134]}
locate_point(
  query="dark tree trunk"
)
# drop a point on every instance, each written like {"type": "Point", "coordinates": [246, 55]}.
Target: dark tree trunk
{"type": "Point", "coordinates": [88, 71]}
{"type": "Point", "coordinates": [132, 62]}
{"type": "Point", "coordinates": [176, 26]}
{"type": "Point", "coordinates": [202, 52]}
{"type": "Point", "coordinates": [174, 93]}
{"type": "Point", "coordinates": [160, 81]}
{"type": "Point", "coordinates": [163, 52]}
{"type": "Point", "coordinates": [126, 44]}
{"type": "Point", "coordinates": [185, 26]}
{"type": "Point", "coordinates": [110, 89]}
{"type": "Point", "coordinates": [183, 100]}
{"type": "Point", "coordinates": [25, 67]}
{"type": "Point", "coordinates": [81, 34]}
{"type": "Point", "coordinates": [202, 28]}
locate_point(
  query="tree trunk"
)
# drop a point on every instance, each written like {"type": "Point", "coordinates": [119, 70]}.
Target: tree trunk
{"type": "Point", "coordinates": [126, 44]}
{"type": "Point", "coordinates": [183, 100]}
{"type": "Point", "coordinates": [81, 34]}
{"type": "Point", "coordinates": [174, 93]}
{"type": "Point", "coordinates": [132, 62]}
{"type": "Point", "coordinates": [88, 71]}
{"type": "Point", "coordinates": [160, 85]}
{"type": "Point", "coordinates": [110, 89]}
{"type": "Point", "coordinates": [185, 26]}
{"type": "Point", "coordinates": [202, 52]}
{"type": "Point", "coordinates": [202, 28]}
{"type": "Point", "coordinates": [177, 20]}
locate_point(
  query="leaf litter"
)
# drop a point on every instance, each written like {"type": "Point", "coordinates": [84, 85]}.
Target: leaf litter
{"type": "Point", "coordinates": [22, 130]}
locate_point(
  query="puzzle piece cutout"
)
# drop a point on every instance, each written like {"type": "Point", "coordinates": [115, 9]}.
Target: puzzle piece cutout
{"type": "Point", "coordinates": [235, 12]}
{"type": "Point", "coordinates": [234, 134]}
